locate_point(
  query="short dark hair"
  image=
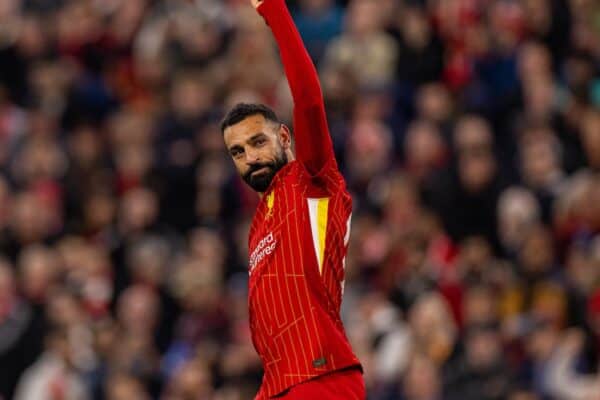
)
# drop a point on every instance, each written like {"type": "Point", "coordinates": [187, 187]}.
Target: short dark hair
{"type": "Point", "coordinates": [241, 111]}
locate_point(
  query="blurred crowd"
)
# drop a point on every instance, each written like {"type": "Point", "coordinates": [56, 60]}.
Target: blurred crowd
{"type": "Point", "coordinates": [469, 134]}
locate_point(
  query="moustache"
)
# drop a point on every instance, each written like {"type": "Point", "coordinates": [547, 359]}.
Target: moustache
{"type": "Point", "coordinates": [257, 167]}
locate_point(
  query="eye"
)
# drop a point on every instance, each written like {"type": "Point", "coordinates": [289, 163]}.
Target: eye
{"type": "Point", "coordinates": [260, 142]}
{"type": "Point", "coordinates": [236, 153]}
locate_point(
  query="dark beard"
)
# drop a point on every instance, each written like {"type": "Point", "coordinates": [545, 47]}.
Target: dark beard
{"type": "Point", "coordinates": [261, 182]}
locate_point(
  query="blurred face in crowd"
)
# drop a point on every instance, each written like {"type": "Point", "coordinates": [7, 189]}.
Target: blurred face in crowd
{"type": "Point", "coordinates": [25, 218]}
{"type": "Point", "coordinates": [138, 310]}
{"type": "Point", "coordinates": [85, 146]}
{"type": "Point", "coordinates": [315, 6]}
{"type": "Point", "coordinates": [364, 16]}
{"type": "Point", "coordinates": [424, 148]}
{"type": "Point", "coordinates": [579, 73]}
{"type": "Point", "coordinates": [147, 261]}
{"type": "Point", "coordinates": [259, 149]}
{"type": "Point", "coordinates": [192, 381]}
{"type": "Point", "coordinates": [207, 245]}
{"type": "Point", "coordinates": [139, 209]}
{"type": "Point", "coordinates": [401, 206]}
{"type": "Point", "coordinates": [99, 210]}
{"type": "Point", "coordinates": [517, 210]}
{"type": "Point", "coordinates": [32, 41]}
{"type": "Point", "coordinates": [106, 335]}
{"type": "Point", "coordinates": [8, 8]}
{"type": "Point", "coordinates": [523, 395]}
{"type": "Point", "coordinates": [38, 160]}
{"type": "Point", "coordinates": [506, 23]}
{"type": "Point", "coordinates": [549, 303]}
{"type": "Point", "coordinates": [30, 220]}
{"type": "Point", "coordinates": [415, 27]}
{"type": "Point", "coordinates": [476, 161]}
{"type": "Point", "coordinates": [540, 161]}
{"type": "Point", "coordinates": [5, 201]}
{"type": "Point", "coordinates": [211, 172]}
{"type": "Point", "coordinates": [422, 381]}
{"type": "Point", "coordinates": [534, 61]}
{"type": "Point", "coordinates": [134, 160]}
{"type": "Point", "coordinates": [590, 130]}
{"type": "Point", "coordinates": [539, 14]}
{"type": "Point", "coordinates": [539, 97]}
{"type": "Point", "coordinates": [434, 102]}
{"type": "Point", "coordinates": [38, 269]}
{"type": "Point", "coordinates": [368, 150]}
{"type": "Point", "coordinates": [480, 306]}
{"type": "Point", "coordinates": [583, 266]}
{"type": "Point", "coordinates": [579, 201]}
{"type": "Point", "coordinates": [483, 347]}
{"type": "Point", "coordinates": [7, 288]}
{"type": "Point", "coordinates": [433, 326]}
{"type": "Point", "coordinates": [475, 255]}
{"type": "Point", "coordinates": [537, 254]}
{"type": "Point", "coordinates": [124, 387]}
{"type": "Point", "coordinates": [197, 283]}
{"type": "Point", "coordinates": [542, 342]}
{"type": "Point", "coordinates": [190, 97]}
{"type": "Point", "coordinates": [128, 128]}
{"type": "Point", "coordinates": [64, 309]}
{"type": "Point", "coordinates": [375, 104]}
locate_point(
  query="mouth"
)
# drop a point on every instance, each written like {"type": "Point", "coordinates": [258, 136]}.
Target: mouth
{"type": "Point", "coordinates": [260, 171]}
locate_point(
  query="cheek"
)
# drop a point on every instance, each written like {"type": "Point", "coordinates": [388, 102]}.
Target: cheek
{"type": "Point", "coordinates": [269, 152]}
{"type": "Point", "coordinates": [240, 166]}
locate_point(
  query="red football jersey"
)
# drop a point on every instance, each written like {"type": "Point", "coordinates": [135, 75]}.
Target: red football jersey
{"type": "Point", "coordinates": [299, 238]}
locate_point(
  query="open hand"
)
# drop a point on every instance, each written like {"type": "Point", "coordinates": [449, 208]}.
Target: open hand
{"type": "Point", "coordinates": [256, 3]}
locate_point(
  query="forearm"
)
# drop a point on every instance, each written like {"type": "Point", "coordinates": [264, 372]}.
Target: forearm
{"type": "Point", "coordinates": [299, 68]}
{"type": "Point", "coordinates": [313, 143]}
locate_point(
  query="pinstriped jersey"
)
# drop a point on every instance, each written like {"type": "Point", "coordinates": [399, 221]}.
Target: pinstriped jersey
{"type": "Point", "coordinates": [299, 238]}
{"type": "Point", "coordinates": [298, 243]}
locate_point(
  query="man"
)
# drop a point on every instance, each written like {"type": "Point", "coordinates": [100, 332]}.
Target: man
{"type": "Point", "coordinates": [299, 235]}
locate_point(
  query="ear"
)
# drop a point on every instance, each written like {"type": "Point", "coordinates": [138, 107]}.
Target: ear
{"type": "Point", "coordinates": [285, 137]}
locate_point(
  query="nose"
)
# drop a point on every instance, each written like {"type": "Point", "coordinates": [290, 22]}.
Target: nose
{"type": "Point", "coordinates": [251, 156]}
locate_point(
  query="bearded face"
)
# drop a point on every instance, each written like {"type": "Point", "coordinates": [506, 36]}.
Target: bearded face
{"type": "Point", "coordinates": [260, 175]}
{"type": "Point", "coordinates": [258, 148]}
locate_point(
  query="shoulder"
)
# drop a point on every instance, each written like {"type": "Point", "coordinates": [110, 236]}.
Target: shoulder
{"type": "Point", "coordinates": [328, 180]}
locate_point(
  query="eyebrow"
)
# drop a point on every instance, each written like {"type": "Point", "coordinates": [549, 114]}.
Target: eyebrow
{"type": "Point", "coordinates": [235, 147]}
{"type": "Point", "coordinates": [254, 137]}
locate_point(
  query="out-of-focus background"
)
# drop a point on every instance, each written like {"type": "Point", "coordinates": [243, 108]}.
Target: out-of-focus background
{"type": "Point", "coordinates": [469, 134]}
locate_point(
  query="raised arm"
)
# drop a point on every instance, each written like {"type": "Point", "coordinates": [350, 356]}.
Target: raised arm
{"type": "Point", "coordinates": [313, 143]}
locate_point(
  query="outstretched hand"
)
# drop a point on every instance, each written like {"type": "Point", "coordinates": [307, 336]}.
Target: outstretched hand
{"type": "Point", "coordinates": [256, 3]}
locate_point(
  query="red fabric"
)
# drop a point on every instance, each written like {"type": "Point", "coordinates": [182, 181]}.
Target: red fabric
{"type": "Point", "coordinates": [313, 143]}
{"type": "Point", "coordinates": [294, 306]}
{"type": "Point", "coordinates": [294, 310]}
{"type": "Point", "coordinates": [346, 385]}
